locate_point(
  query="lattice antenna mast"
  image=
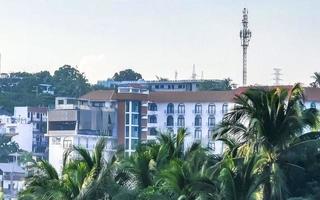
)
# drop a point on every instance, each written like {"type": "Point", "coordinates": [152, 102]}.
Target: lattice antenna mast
{"type": "Point", "coordinates": [245, 36]}
{"type": "Point", "coordinates": [277, 76]}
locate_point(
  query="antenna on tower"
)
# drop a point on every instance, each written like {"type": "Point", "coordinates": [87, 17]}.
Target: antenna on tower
{"type": "Point", "coordinates": [175, 75]}
{"type": "Point", "coordinates": [277, 74]}
{"type": "Point", "coordinates": [245, 36]}
{"type": "Point", "coordinates": [201, 75]}
{"type": "Point", "coordinates": [194, 75]}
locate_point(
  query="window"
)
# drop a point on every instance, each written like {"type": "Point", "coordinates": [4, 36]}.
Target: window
{"type": "Point", "coordinates": [170, 108]}
{"type": "Point", "coordinates": [60, 102]}
{"type": "Point", "coordinates": [211, 145]}
{"type": "Point", "coordinates": [313, 105]}
{"type": "Point", "coordinates": [37, 126]}
{"type": "Point", "coordinates": [181, 121]}
{"type": "Point", "coordinates": [127, 119]}
{"type": "Point", "coordinates": [67, 143]}
{"type": "Point", "coordinates": [135, 106]}
{"type": "Point", "coordinates": [38, 115]}
{"type": "Point", "coordinates": [170, 121]}
{"type": "Point", "coordinates": [28, 114]}
{"type": "Point", "coordinates": [197, 134]}
{"type": "Point", "coordinates": [212, 109]}
{"type": "Point", "coordinates": [198, 108]}
{"type": "Point", "coordinates": [198, 121]}
{"type": "Point", "coordinates": [224, 108]}
{"type": "Point", "coordinates": [127, 144]}
{"type": "Point", "coordinates": [134, 144]}
{"type": "Point", "coordinates": [211, 121]}
{"type": "Point", "coordinates": [181, 108]}
{"type": "Point", "coordinates": [127, 131]}
{"type": "Point", "coordinates": [134, 131]}
{"type": "Point", "coordinates": [210, 134]}
{"type": "Point", "coordinates": [157, 86]}
{"type": "Point", "coordinates": [161, 86]}
{"type": "Point", "coordinates": [180, 86]}
{"type": "Point", "coordinates": [62, 125]}
{"type": "Point", "coordinates": [135, 119]}
{"type": "Point", "coordinates": [153, 131]}
{"type": "Point", "coordinates": [153, 107]}
{"type": "Point", "coordinates": [152, 119]}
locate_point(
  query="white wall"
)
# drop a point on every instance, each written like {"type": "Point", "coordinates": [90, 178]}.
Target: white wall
{"type": "Point", "coordinates": [189, 121]}
{"type": "Point", "coordinates": [24, 137]}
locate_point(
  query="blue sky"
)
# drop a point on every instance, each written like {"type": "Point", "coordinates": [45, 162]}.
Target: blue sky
{"type": "Point", "coordinates": [159, 37]}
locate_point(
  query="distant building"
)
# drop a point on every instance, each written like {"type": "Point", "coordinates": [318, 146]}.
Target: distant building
{"type": "Point", "coordinates": [18, 130]}
{"type": "Point", "coordinates": [12, 179]}
{"type": "Point", "coordinates": [46, 89]}
{"type": "Point", "coordinates": [37, 118]}
{"type": "Point", "coordinates": [161, 85]}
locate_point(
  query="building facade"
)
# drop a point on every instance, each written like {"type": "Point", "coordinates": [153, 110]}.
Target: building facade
{"type": "Point", "coordinates": [137, 115]}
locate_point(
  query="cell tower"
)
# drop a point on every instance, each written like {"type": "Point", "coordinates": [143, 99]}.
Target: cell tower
{"type": "Point", "coordinates": [277, 74]}
{"type": "Point", "coordinates": [245, 36]}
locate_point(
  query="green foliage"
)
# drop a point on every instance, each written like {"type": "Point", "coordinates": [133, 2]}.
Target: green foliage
{"type": "Point", "coordinates": [127, 75]}
{"type": "Point", "coordinates": [7, 147]}
{"type": "Point", "coordinates": [218, 85]}
{"type": "Point", "coordinates": [70, 82]}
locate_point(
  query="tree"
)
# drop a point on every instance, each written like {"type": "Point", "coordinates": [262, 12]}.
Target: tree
{"type": "Point", "coordinates": [316, 82]}
{"type": "Point", "coordinates": [7, 147]}
{"type": "Point", "coordinates": [69, 82]}
{"type": "Point", "coordinates": [216, 85]}
{"type": "Point", "coordinates": [127, 75]}
{"type": "Point", "coordinates": [269, 121]}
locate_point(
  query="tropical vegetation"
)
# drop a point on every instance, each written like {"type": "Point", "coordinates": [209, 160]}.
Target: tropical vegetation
{"type": "Point", "coordinates": [267, 156]}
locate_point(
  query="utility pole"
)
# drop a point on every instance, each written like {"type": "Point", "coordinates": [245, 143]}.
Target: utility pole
{"type": "Point", "coordinates": [245, 36]}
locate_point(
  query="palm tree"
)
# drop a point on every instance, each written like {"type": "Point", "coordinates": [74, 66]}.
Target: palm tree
{"type": "Point", "coordinates": [81, 170]}
{"type": "Point", "coordinates": [316, 82]}
{"type": "Point", "coordinates": [268, 121]}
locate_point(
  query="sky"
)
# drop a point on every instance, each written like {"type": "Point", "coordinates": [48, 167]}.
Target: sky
{"type": "Point", "coordinates": [159, 37]}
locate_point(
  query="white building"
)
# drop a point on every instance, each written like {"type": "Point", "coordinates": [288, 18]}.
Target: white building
{"type": "Point", "coordinates": [138, 115]}
{"type": "Point", "coordinates": [12, 179]}
{"type": "Point", "coordinates": [19, 130]}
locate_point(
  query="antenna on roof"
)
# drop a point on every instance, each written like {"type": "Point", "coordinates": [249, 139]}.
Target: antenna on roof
{"type": "Point", "coordinates": [175, 75]}
{"type": "Point", "coordinates": [201, 75]}
{"type": "Point", "coordinates": [194, 75]}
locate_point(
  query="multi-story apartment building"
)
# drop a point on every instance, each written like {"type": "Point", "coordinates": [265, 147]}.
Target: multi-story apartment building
{"type": "Point", "coordinates": [37, 117]}
{"type": "Point", "coordinates": [133, 115]}
{"type": "Point", "coordinates": [80, 122]}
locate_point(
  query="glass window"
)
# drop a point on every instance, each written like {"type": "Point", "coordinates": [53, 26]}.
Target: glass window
{"type": "Point", "coordinates": [197, 134]}
{"type": "Point", "coordinates": [127, 119]}
{"type": "Point", "coordinates": [135, 106]}
{"type": "Point", "coordinates": [181, 121]}
{"type": "Point", "coordinates": [152, 107]}
{"type": "Point", "coordinates": [67, 143]}
{"type": "Point", "coordinates": [127, 131]}
{"type": "Point", "coordinates": [224, 108]}
{"type": "Point", "coordinates": [135, 119]}
{"type": "Point", "coordinates": [56, 140]}
{"type": "Point", "coordinates": [152, 119]}
{"type": "Point", "coordinates": [170, 121]}
{"type": "Point", "coordinates": [134, 144]}
{"type": "Point", "coordinates": [153, 131]}
{"type": "Point", "coordinates": [212, 109]}
{"type": "Point", "coordinates": [211, 121]}
{"type": "Point", "coordinates": [62, 125]}
{"type": "Point", "coordinates": [134, 131]}
{"type": "Point", "coordinates": [181, 108]}
{"type": "Point", "coordinates": [60, 102]}
{"type": "Point", "coordinates": [198, 108]}
{"type": "Point", "coordinates": [127, 144]}
{"type": "Point", "coordinates": [170, 108]}
{"type": "Point", "coordinates": [198, 121]}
